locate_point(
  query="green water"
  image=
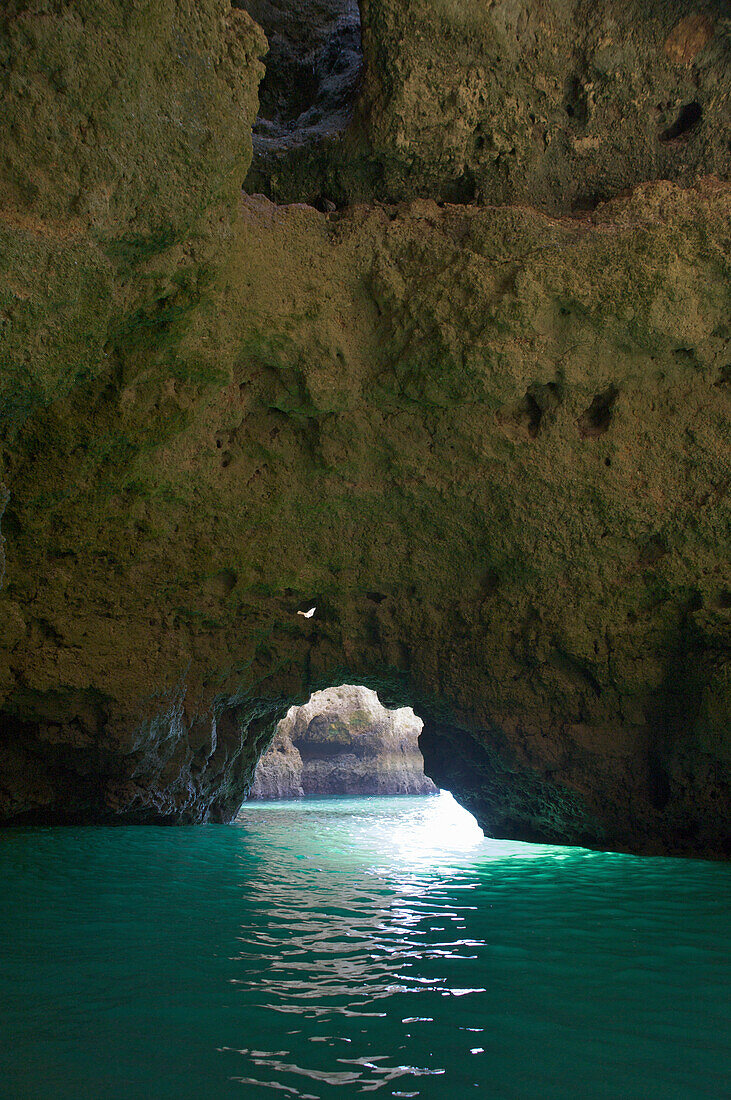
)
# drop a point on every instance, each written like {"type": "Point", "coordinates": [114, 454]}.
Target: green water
{"type": "Point", "coordinates": [341, 947]}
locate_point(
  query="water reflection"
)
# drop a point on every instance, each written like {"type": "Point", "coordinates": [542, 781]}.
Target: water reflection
{"type": "Point", "coordinates": [402, 946]}
{"type": "Point", "coordinates": [339, 948]}
{"type": "Point", "coordinates": [327, 945]}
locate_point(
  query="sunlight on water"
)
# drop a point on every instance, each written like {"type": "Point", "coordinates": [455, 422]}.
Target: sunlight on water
{"type": "Point", "coordinates": [389, 832]}
{"type": "Point", "coordinates": [339, 947]}
{"type": "Point", "coordinates": [445, 827]}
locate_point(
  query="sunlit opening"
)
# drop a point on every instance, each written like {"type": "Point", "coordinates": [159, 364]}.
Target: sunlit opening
{"type": "Point", "coordinates": [343, 741]}
{"type": "Point", "coordinates": [443, 826]}
{"type": "Point", "coordinates": [339, 759]}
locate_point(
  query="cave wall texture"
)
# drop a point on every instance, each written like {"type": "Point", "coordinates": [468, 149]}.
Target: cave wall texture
{"type": "Point", "coordinates": [475, 410]}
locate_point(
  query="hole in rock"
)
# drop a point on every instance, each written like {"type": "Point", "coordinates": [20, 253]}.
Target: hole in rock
{"type": "Point", "coordinates": [724, 378]}
{"type": "Point", "coordinates": [576, 101]}
{"type": "Point", "coordinates": [652, 551]}
{"type": "Point", "coordinates": [343, 742]}
{"type": "Point", "coordinates": [689, 116]}
{"type": "Point", "coordinates": [312, 70]}
{"type": "Point", "coordinates": [597, 418]}
{"type": "Point", "coordinates": [526, 417]}
{"type": "Point", "coordinates": [586, 203]}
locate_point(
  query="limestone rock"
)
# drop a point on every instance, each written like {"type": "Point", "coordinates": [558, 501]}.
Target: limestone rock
{"type": "Point", "coordinates": [343, 742]}
{"type": "Point", "coordinates": [557, 103]}
{"type": "Point", "coordinates": [279, 771]}
{"type": "Point", "coordinates": [126, 132]}
{"type": "Point", "coordinates": [488, 444]}
{"type": "Point", "coordinates": [132, 119]}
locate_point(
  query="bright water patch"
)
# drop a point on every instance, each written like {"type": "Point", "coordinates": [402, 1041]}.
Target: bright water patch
{"type": "Point", "coordinates": [336, 948]}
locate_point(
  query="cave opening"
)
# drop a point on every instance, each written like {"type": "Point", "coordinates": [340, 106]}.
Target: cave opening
{"type": "Point", "coordinates": [313, 70]}
{"type": "Point", "coordinates": [345, 744]}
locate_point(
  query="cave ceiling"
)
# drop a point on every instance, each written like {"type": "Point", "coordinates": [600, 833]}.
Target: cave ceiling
{"type": "Point", "coordinates": [453, 369]}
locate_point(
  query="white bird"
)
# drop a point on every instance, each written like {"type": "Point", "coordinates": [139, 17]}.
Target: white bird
{"type": "Point", "coordinates": [307, 614]}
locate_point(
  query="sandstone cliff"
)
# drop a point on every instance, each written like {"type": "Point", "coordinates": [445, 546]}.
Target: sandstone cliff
{"type": "Point", "coordinates": [487, 440]}
{"type": "Point", "coordinates": [343, 742]}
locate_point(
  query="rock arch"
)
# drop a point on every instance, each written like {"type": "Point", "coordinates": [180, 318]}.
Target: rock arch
{"type": "Point", "coordinates": [217, 412]}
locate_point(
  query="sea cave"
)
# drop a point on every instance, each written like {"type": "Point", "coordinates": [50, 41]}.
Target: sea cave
{"type": "Point", "coordinates": [372, 353]}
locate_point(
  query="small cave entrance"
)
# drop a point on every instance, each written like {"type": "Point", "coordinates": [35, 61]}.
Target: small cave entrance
{"type": "Point", "coordinates": [343, 741]}
{"type": "Point", "coordinates": [313, 70]}
{"type": "Point", "coordinates": [342, 745]}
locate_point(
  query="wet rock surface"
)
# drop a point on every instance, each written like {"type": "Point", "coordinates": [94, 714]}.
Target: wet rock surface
{"type": "Point", "coordinates": [488, 444]}
{"type": "Point", "coordinates": [343, 742]}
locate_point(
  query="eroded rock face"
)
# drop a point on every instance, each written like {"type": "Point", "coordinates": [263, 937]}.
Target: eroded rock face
{"type": "Point", "coordinates": [488, 444]}
{"type": "Point", "coordinates": [558, 103]}
{"type": "Point", "coordinates": [279, 771]}
{"type": "Point", "coordinates": [343, 742]}
{"type": "Point", "coordinates": [126, 131]}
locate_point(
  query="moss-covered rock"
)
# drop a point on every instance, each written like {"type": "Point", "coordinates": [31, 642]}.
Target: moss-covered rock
{"type": "Point", "coordinates": [559, 103]}
{"type": "Point", "coordinates": [126, 133]}
{"type": "Point", "coordinates": [130, 118]}
{"type": "Point", "coordinates": [488, 445]}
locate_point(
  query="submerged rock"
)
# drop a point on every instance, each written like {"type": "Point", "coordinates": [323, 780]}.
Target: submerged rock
{"type": "Point", "coordinates": [343, 742]}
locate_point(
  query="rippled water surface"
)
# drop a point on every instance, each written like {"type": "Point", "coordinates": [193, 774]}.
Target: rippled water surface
{"type": "Point", "coordinates": [342, 947]}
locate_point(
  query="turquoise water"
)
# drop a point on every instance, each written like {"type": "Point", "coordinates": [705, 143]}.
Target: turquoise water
{"type": "Point", "coordinates": [336, 948]}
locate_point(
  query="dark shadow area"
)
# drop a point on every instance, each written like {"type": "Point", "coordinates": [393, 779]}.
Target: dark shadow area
{"type": "Point", "coordinates": [312, 70]}
{"type": "Point", "coordinates": [597, 418]}
{"type": "Point", "coordinates": [689, 116]}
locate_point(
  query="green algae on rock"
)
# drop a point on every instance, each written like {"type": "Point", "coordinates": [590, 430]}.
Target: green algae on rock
{"type": "Point", "coordinates": [126, 133]}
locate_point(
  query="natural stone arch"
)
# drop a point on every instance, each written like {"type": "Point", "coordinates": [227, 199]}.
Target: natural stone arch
{"type": "Point", "coordinates": [343, 741]}
{"type": "Point", "coordinates": [487, 443]}
{"type": "Point", "coordinates": [367, 470]}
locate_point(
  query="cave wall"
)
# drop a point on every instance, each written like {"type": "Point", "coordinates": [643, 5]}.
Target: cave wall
{"type": "Point", "coordinates": [557, 103]}
{"type": "Point", "coordinates": [488, 443]}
